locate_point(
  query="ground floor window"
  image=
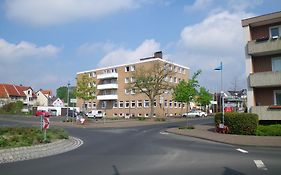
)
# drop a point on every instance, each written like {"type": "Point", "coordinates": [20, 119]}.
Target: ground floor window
{"type": "Point", "coordinates": [121, 104]}
{"type": "Point", "coordinates": [133, 104]}
{"type": "Point", "coordinates": [146, 103]}
{"type": "Point", "coordinates": [277, 97]}
{"type": "Point", "coordinates": [139, 103]}
{"type": "Point", "coordinates": [127, 104]}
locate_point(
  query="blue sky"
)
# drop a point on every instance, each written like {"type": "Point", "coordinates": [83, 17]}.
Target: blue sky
{"type": "Point", "coordinates": [44, 43]}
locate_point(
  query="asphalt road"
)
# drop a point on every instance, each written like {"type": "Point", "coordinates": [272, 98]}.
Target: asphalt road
{"type": "Point", "coordinates": [149, 150]}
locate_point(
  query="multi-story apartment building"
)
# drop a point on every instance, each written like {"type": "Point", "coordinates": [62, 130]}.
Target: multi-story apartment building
{"type": "Point", "coordinates": [114, 97]}
{"type": "Point", "coordinates": [263, 65]}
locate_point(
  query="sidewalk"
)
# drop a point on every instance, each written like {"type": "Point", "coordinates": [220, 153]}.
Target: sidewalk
{"type": "Point", "coordinates": [208, 133]}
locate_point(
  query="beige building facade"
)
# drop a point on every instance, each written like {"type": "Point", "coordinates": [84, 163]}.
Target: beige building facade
{"type": "Point", "coordinates": [263, 65]}
{"type": "Point", "coordinates": [115, 98]}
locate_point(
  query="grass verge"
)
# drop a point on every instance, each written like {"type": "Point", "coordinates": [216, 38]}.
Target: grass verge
{"type": "Point", "coordinates": [11, 137]}
{"type": "Point", "coordinates": [269, 130]}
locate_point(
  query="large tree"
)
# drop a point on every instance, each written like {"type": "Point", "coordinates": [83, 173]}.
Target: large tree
{"type": "Point", "coordinates": [151, 81]}
{"type": "Point", "coordinates": [185, 92]}
{"type": "Point", "coordinates": [85, 89]}
{"type": "Point", "coordinates": [61, 93]}
{"type": "Point", "coordinates": [204, 97]}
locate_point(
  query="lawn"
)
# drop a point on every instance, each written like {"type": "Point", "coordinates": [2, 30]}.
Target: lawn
{"type": "Point", "coordinates": [269, 130]}
{"type": "Point", "coordinates": [11, 137]}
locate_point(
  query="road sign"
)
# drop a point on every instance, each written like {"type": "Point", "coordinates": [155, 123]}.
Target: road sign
{"type": "Point", "coordinates": [46, 123]}
{"type": "Point", "coordinates": [73, 100]}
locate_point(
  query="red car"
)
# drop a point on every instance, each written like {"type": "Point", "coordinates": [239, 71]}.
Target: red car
{"type": "Point", "coordinates": [43, 113]}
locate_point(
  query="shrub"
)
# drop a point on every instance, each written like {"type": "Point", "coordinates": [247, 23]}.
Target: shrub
{"type": "Point", "coordinates": [142, 118]}
{"type": "Point", "coordinates": [186, 127]}
{"type": "Point", "coordinates": [12, 108]}
{"type": "Point", "coordinates": [269, 130]}
{"type": "Point", "coordinates": [239, 123]}
{"type": "Point", "coordinates": [160, 119]}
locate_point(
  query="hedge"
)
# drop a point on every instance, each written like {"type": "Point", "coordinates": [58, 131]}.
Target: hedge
{"type": "Point", "coordinates": [239, 123]}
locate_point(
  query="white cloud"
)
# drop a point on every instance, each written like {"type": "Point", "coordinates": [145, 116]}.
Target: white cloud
{"type": "Point", "coordinates": [52, 12]}
{"type": "Point", "coordinates": [122, 55]}
{"type": "Point", "coordinates": [10, 53]}
{"type": "Point", "coordinates": [92, 48]}
{"type": "Point", "coordinates": [219, 37]}
{"type": "Point", "coordinates": [198, 5]}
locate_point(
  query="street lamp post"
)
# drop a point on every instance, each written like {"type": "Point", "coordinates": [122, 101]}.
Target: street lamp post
{"type": "Point", "coordinates": [222, 93]}
{"type": "Point", "coordinates": [67, 100]}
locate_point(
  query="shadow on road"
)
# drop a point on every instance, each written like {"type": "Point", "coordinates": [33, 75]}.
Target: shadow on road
{"type": "Point", "coordinates": [229, 171]}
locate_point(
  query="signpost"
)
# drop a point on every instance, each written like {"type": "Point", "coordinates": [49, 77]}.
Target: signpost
{"type": "Point", "coordinates": [45, 123]}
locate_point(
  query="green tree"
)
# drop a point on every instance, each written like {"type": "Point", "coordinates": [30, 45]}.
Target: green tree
{"type": "Point", "coordinates": [204, 97]}
{"type": "Point", "coordinates": [61, 93]}
{"type": "Point", "coordinates": [151, 82]}
{"type": "Point", "coordinates": [85, 89]}
{"type": "Point", "coordinates": [185, 92]}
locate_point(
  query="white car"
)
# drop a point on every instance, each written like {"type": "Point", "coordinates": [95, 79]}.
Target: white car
{"type": "Point", "coordinates": [195, 113]}
{"type": "Point", "coordinates": [95, 114]}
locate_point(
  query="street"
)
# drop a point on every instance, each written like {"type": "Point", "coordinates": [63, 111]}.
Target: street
{"type": "Point", "coordinates": [149, 150]}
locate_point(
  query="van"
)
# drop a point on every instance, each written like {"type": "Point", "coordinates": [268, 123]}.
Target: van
{"type": "Point", "coordinates": [95, 114]}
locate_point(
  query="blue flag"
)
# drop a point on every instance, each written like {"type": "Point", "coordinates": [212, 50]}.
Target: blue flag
{"type": "Point", "coordinates": [219, 68]}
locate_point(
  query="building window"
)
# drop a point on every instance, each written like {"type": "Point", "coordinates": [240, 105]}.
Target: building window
{"type": "Point", "coordinates": [133, 68]}
{"type": "Point", "coordinates": [127, 80]}
{"type": "Point", "coordinates": [176, 68]}
{"type": "Point", "coordinates": [127, 91]}
{"type": "Point", "coordinates": [274, 32]}
{"type": "Point", "coordinates": [121, 115]}
{"type": "Point", "coordinates": [133, 79]}
{"type": "Point", "coordinates": [146, 103]}
{"type": "Point", "coordinates": [170, 103]}
{"type": "Point", "coordinates": [94, 105]}
{"type": "Point", "coordinates": [146, 115]}
{"type": "Point", "coordinates": [127, 104]}
{"type": "Point", "coordinates": [133, 104]}
{"type": "Point", "coordinates": [175, 79]}
{"type": "Point", "coordinates": [127, 69]}
{"type": "Point", "coordinates": [133, 91]}
{"type": "Point", "coordinates": [90, 104]}
{"type": "Point", "coordinates": [103, 104]}
{"type": "Point", "coordinates": [139, 103]}
{"type": "Point", "coordinates": [115, 105]}
{"type": "Point", "coordinates": [171, 79]}
{"type": "Point", "coordinates": [276, 64]}
{"type": "Point", "coordinates": [115, 114]}
{"type": "Point", "coordinates": [165, 103]}
{"type": "Point", "coordinates": [175, 104]}
{"type": "Point", "coordinates": [155, 104]}
{"type": "Point", "coordinates": [121, 104]}
{"type": "Point", "coordinates": [277, 97]}
{"type": "Point", "coordinates": [139, 115]}
{"type": "Point", "coordinates": [180, 70]}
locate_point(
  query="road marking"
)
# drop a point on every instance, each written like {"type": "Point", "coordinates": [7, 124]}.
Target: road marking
{"type": "Point", "coordinates": [260, 164]}
{"type": "Point", "coordinates": [242, 151]}
{"type": "Point", "coordinates": [165, 133]}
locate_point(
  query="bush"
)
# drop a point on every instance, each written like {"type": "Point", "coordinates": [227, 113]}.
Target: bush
{"type": "Point", "coordinates": [142, 118]}
{"type": "Point", "coordinates": [160, 119]}
{"type": "Point", "coordinates": [269, 130]}
{"type": "Point", "coordinates": [12, 108]}
{"type": "Point", "coordinates": [186, 127]}
{"type": "Point", "coordinates": [239, 123]}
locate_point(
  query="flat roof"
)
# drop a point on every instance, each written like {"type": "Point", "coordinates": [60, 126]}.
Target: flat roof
{"type": "Point", "coordinates": [262, 19]}
{"type": "Point", "coordinates": [139, 62]}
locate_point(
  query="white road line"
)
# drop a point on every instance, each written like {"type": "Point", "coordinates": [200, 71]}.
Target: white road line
{"type": "Point", "coordinates": [260, 165]}
{"type": "Point", "coordinates": [165, 133]}
{"type": "Point", "coordinates": [242, 151]}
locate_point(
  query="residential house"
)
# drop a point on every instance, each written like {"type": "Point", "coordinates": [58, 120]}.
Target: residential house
{"type": "Point", "coordinates": [12, 93]}
{"type": "Point", "coordinates": [263, 65]}
{"type": "Point", "coordinates": [116, 99]}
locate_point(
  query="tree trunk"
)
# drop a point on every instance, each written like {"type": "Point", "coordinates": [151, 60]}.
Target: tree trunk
{"type": "Point", "coordinates": [151, 107]}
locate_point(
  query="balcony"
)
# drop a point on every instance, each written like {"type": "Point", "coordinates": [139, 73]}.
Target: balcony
{"type": "Point", "coordinates": [107, 97]}
{"type": "Point", "coordinates": [264, 46]}
{"type": "Point", "coordinates": [266, 113]}
{"type": "Point", "coordinates": [107, 76]}
{"type": "Point", "coordinates": [107, 86]}
{"type": "Point", "coordinates": [265, 79]}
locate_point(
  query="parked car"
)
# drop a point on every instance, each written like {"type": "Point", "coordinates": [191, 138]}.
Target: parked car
{"type": "Point", "coordinates": [195, 113]}
{"type": "Point", "coordinates": [95, 114]}
{"type": "Point", "coordinates": [42, 113]}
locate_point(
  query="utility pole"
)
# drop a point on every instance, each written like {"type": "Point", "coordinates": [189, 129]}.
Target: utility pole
{"type": "Point", "coordinates": [68, 84]}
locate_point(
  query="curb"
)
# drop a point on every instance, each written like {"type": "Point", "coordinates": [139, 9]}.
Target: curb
{"type": "Point", "coordinates": [39, 151]}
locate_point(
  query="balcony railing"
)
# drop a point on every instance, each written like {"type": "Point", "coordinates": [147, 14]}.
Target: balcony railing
{"type": "Point", "coordinates": [265, 79]}
{"type": "Point", "coordinates": [107, 75]}
{"type": "Point", "coordinates": [107, 97]}
{"type": "Point", "coordinates": [266, 113]}
{"type": "Point", "coordinates": [264, 46]}
{"type": "Point", "coordinates": [107, 86]}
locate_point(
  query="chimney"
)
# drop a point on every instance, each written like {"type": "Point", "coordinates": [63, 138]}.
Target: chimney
{"type": "Point", "coordinates": [158, 54]}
